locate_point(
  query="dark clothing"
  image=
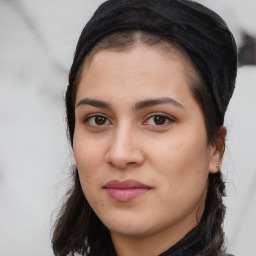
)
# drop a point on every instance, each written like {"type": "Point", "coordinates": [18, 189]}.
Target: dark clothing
{"type": "Point", "coordinates": [190, 245]}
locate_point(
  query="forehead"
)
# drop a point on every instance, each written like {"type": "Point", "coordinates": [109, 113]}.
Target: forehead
{"type": "Point", "coordinates": [139, 73]}
{"type": "Point", "coordinates": [166, 50]}
{"type": "Point", "coordinates": [137, 60]}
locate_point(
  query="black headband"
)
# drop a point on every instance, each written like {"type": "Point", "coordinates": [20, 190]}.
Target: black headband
{"type": "Point", "coordinates": [201, 32]}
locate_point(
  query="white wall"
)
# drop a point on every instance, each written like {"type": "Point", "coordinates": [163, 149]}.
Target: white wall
{"type": "Point", "coordinates": [37, 40]}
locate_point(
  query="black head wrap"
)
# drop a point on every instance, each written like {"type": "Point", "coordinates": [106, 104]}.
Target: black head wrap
{"type": "Point", "coordinates": [201, 32]}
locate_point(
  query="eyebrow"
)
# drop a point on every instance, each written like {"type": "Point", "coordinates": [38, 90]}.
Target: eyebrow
{"type": "Point", "coordinates": [94, 103]}
{"type": "Point", "coordinates": [153, 102]}
{"type": "Point", "coordinates": [138, 106]}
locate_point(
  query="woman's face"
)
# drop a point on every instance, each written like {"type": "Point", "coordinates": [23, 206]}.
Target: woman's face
{"type": "Point", "coordinates": [140, 143]}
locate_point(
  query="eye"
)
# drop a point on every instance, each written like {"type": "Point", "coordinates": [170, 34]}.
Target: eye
{"type": "Point", "coordinates": [159, 120]}
{"type": "Point", "coordinates": [97, 120]}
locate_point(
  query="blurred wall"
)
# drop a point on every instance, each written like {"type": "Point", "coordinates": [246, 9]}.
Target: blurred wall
{"type": "Point", "coordinates": [37, 41]}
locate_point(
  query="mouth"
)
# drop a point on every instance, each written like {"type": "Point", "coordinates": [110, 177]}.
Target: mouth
{"type": "Point", "coordinates": [125, 191]}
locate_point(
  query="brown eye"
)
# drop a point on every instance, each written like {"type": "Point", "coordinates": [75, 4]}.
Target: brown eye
{"type": "Point", "coordinates": [100, 120]}
{"type": "Point", "coordinates": [97, 120]}
{"type": "Point", "coordinates": [159, 120]}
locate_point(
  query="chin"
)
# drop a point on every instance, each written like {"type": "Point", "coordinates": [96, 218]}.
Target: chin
{"type": "Point", "coordinates": [131, 231]}
{"type": "Point", "coordinates": [128, 225]}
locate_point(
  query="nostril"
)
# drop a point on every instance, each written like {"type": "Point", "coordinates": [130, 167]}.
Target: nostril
{"type": "Point", "coordinates": [111, 164]}
{"type": "Point", "coordinates": [131, 163]}
{"type": "Point", "coordinates": [107, 158]}
{"type": "Point", "coordinates": [122, 157]}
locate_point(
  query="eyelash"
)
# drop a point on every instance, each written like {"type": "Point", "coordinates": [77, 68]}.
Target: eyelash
{"type": "Point", "coordinates": [166, 118]}
{"type": "Point", "coordinates": [161, 115]}
{"type": "Point", "coordinates": [88, 118]}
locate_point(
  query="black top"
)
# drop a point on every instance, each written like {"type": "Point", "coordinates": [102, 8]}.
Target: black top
{"type": "Point", "coordinates": [190, 245]}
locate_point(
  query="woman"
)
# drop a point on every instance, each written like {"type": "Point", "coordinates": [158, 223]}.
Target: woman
{"type": "Point", "coordinates": [148, 90]}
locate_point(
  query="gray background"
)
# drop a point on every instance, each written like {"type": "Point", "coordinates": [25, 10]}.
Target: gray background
{"type": "Point", "coordinates": [37, 41]}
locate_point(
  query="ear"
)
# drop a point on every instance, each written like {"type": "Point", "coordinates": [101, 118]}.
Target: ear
{"type": "Point", "coordinates": [217, 150]}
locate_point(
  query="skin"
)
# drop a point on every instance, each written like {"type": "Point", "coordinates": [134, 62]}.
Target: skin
{"type": "Point", "coordinates": [172, 157]}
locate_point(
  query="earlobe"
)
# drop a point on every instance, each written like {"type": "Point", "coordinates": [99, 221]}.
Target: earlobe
{"type": "Point", "coordinates": [217, 150]}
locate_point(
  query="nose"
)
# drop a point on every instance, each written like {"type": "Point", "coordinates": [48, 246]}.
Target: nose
{"type": "Point", "coordinates": [125, 149]}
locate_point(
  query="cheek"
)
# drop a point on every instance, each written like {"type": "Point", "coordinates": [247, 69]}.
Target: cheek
{"type": "Point", "coordinates": [88, 160]}
{"type": "Point", "coordinates": [88, 155]}
{"type": "Point", "coordinates": [182, 175]}
{"type": "Point", "coordinates": [181, 160]}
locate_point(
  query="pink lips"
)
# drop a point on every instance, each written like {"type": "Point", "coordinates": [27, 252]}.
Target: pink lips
{"type": "Point", "coordinates": [125, 191]}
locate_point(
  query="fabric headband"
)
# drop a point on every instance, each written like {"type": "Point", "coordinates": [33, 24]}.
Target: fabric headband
{"type": "Point", "coordinates": [201, 32]}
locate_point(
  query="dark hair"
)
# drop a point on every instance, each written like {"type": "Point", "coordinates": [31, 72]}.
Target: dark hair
{"type": "Point", "coordinates": [78, 229]}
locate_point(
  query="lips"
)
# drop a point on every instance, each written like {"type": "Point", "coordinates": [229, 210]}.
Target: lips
{"type": "Point", "coordinates": [125, 191]}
